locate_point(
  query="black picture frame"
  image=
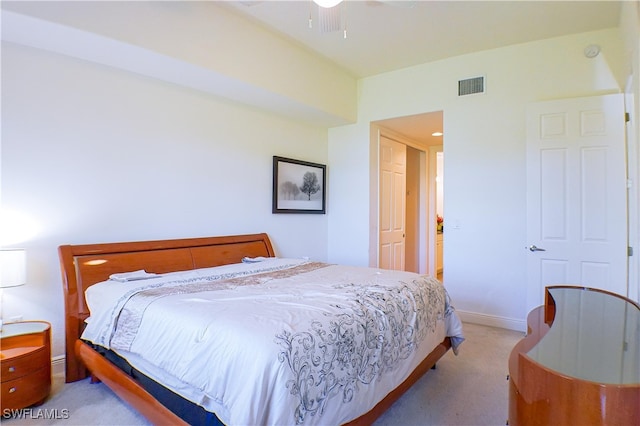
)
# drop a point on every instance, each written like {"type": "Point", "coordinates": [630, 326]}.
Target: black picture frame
{"type": "Point", "coordinates": [298, 186]}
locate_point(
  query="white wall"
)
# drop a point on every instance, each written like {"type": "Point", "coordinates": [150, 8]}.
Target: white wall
{"type": "Point", "coordinates": [93, 154]}
{"type": "Point", "coordinates": [630, 24]}
{"type": "Point", "coordinates": [484, 151]}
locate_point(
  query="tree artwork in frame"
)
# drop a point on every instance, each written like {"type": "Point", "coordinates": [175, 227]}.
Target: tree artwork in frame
{"type": "Point", "coordinates": [298, 186]}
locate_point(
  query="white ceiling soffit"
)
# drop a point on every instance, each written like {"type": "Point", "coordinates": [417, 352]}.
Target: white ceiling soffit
{"type": "Point", "coordinates": [387, 35]}
{"type": "Point", "coordinates": [50, 36]}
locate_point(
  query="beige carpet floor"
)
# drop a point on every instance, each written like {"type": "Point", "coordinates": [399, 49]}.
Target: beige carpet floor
{"type": "Point", "coordinates": [468, 390]}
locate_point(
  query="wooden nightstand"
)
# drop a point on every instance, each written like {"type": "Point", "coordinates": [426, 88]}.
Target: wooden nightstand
{"type": "Point", "coordinates": [25, 363]}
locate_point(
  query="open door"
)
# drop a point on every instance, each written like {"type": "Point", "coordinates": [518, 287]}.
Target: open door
{"type": "Point", "coordinates": [393, 170]}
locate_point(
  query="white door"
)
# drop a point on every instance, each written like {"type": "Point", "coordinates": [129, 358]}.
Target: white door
{"type": "Point", "coordinates": [576, 195]}
{"type": "Point", "coordinates": [393, 165]}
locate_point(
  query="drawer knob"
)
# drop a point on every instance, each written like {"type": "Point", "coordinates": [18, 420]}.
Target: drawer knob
{"type": "Point", "coordinates": [12, 390]}
{"type": "Point", "coordinates": [12, 369]}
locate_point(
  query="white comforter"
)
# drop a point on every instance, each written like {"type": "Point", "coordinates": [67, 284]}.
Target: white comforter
{"type": "Point", "coordinates": [282, 341]}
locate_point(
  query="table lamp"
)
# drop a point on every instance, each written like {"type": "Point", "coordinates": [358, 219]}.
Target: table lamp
{"type": "Point", "coordinates": [12, 271]}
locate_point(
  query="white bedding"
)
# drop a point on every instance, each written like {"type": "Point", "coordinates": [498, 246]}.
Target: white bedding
{"type": "Point", "coordinates": [282, 341]}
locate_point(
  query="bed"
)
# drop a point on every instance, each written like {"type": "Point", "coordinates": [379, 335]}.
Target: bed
{"type": "Point", "coordinates": [220, 330]}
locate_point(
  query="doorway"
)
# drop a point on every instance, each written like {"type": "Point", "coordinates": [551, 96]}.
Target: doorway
{"type": "Point", "coordinates": [416, 132]}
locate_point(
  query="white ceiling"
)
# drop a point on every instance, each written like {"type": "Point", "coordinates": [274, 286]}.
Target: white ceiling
{"type": "Point", "coordinates": [386, 35]}
{"type": "Point", "coordinates": [389, 35]}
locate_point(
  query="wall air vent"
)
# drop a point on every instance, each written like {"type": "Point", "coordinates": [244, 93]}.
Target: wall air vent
{"type": "Point", "coordinates": [470, 86]}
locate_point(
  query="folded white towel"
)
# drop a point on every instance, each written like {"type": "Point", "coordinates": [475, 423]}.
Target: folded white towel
{"type": "Point", "coordinates": [254, 259]}
{"type": "Point", "coordinates": [133, 276]}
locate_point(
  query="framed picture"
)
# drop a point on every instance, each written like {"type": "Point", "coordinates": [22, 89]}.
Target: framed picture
{"type": "Point", "coordinates": [298, 186]}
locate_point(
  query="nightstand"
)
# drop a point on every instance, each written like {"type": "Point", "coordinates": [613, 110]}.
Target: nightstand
{"type": "Point", "coordinates": [25, 363]}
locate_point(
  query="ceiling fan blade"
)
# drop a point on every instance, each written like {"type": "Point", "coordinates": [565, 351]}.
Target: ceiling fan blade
{"type": "Point", "coordinates": [404, 4]}
{"type": "Point", "coordinates": [329, 19]}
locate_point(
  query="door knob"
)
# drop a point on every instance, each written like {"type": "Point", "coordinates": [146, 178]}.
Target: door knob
{"type": "Point", "coordinates": [534, 248]}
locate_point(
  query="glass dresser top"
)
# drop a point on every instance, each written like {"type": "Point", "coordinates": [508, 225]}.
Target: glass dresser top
{"type": "Point", "coordinates": [595, 336]}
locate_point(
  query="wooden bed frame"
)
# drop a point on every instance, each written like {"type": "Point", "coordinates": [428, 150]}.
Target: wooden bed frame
{"type": "Point", "coordinates": [85, 265]}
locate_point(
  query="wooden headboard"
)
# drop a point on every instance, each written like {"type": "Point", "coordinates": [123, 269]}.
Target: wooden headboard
{"type": "Point", "coordinates": [87, 264]}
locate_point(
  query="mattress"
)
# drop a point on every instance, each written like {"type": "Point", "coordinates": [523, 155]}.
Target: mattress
{"type": "Point", "coordinates": [188, 411]}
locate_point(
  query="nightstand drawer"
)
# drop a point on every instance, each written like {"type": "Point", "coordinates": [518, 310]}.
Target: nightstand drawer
{"type": "Point", "coordinates": [27, 390]}
{"type": "Point", "coordinates": [21, 365]}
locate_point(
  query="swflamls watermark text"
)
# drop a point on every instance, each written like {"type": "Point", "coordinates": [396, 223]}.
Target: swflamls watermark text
{"type": "Point", "coordinates": [36, 413]}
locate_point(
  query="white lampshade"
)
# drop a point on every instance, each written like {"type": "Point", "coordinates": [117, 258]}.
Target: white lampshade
{"type": "Point", "coordinates": [13, 267]}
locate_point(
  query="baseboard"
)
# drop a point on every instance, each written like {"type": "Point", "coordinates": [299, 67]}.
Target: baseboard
{"type": "Point", "coordinates": [492, 320]}
{"type": "Point", "coordinates": [58, 364]}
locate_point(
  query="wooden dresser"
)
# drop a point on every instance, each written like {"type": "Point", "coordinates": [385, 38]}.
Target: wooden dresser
{"type": "Point", "coordinates": [25, 364]}
{"type": "Point", "coordinates": [579, 363]}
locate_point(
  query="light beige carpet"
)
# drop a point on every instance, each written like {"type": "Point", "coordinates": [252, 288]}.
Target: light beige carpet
{"type": "Point", "coordinates": [465, 390]}
{"type": "Point", "coordinates": [469, 389]}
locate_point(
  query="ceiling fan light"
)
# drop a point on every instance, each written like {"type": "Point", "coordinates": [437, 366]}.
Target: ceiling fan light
{"type": "Point", "coordinates": [327, 3]}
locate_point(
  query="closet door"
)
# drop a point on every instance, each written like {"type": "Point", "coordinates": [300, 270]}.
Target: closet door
{"type": "Point", "coordinates": [393, 170]}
